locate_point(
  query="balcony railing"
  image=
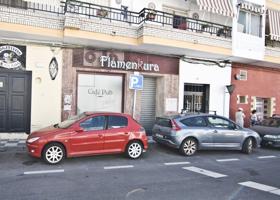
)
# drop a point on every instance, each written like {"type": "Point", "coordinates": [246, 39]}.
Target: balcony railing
{"type": "Point", "coordinates": [32, 6]}
{"type": "Point", "coordinates": [146, 15]}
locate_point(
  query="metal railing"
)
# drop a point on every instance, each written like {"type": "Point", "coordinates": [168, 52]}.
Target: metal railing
{"type": "Point", "coordinates": [146, 15]}
{"type": "Point", "coordinates": [98, 11]}
{"type": "Point", "coordinates": [32, 6]}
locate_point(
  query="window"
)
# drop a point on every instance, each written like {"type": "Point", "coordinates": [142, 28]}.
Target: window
{"type": "Point", "coordinates": [271, 122]}
{"type": "Point", "coordinates": [93, 124]}
{"type": "Point", "coordinates": [117, 122]}
{"type": "Point", "coordinates": [249, 23]}
{"type": "Point", "coordinates": [163, 122]}
{"type": "Point", "coordinates": [220, 123]}
{"type": "Point", "coordinates": [179, 22]}
{"type": "Point", "coordinates": [243, 75]}
{"type": "Point", "coordinates": [194, 122]}
{"type": "Point", "coordinates": [242, 99]}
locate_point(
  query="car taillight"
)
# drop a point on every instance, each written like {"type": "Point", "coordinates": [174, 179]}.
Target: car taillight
{"type": "Point", "coordinates": [175, 126]}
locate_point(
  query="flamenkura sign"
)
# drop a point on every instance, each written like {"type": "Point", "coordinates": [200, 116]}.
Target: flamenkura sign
{"type": "Point", "coordinates": [12, 56]}
{"type": "Point", "coordinates": [107, 61]}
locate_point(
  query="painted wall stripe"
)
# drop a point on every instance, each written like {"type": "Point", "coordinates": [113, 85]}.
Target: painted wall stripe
{"type": "Point", "coordinates": [205, 172]}
{"type": "Point", "coordinates": [177, 163]}
{"type": "Point", "coordinates": [227, 160]}
{"type": "Point", "coordinates": [44, 172]}
{"type": "Point", "coordinates": [119, 167]}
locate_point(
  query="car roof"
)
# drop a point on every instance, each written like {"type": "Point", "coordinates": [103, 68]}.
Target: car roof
{"type": "Point", "coordinates": [104, 113]}
{"type": "Point", "coordinates": [187, 115]}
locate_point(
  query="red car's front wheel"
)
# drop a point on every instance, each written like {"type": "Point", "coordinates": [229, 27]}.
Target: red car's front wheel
{"type": "Point", "coordinates": [53, 153]}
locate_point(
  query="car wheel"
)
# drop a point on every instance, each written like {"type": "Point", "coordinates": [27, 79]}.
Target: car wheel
{"type": "Point", "coordinates": [248, 146]}
{"type": "Point", "coordinates": [53, 153]}
{"type": "Point", "coordinates": [188, 147]}
{"type": "Point", "coordinates": [134, 149]}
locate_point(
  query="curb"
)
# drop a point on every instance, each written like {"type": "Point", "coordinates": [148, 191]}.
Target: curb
{"type": "Point", "coordinates": [13, 136]}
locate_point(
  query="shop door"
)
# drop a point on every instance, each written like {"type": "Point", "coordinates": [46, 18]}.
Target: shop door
{"type": "Point", "coordinates": [15, 101]}
{"type": "Point", "coordinates": [148, 104]}
{"type": "Point", "coordinates": [260, 107]}
{"type": "Point", "coordinates": [193, 101]}
{"type": "Point", "coordinates": [196, 98]}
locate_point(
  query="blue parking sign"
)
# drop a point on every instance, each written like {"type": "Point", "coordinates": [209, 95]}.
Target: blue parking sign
{"type": "Point", "coordinates": [136, 82]}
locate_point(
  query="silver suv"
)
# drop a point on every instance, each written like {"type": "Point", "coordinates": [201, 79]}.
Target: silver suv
{"type": "Point", "coordinates": [191, 132]}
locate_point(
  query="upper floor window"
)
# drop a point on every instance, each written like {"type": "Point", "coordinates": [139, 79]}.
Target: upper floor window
{"type": "Point", "coordinates": [249, 23]}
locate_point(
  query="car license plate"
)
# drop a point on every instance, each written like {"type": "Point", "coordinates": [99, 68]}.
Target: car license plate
{"type": "Point", "coordinates": [159, 135]}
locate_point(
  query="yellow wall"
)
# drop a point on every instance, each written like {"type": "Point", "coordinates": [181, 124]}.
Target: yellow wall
{"type": "Point", "coordinates": [273, 5]}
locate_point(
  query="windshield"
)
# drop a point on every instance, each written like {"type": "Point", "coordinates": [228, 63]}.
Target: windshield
{"type": "Point", "coordinates": [70, 121]}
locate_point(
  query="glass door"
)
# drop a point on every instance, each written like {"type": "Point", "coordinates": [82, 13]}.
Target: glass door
{"type": "Point", "coordinates": [193, 101]}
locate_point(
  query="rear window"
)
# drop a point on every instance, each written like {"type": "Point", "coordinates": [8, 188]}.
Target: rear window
{"type": "Point", "coordinates": [194, 122]}
{"type": "Point", "coordinates": [117, 122]}
{"type": "Point", "coordinates": [163, 122]}
{"type": "Point", "coordinates": [271, 122]}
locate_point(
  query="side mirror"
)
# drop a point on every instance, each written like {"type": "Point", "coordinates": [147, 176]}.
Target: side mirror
{"type": "Point", "coordinates": [79, 130]}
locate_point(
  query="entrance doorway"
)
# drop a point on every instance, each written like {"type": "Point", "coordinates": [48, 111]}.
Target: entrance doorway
{"type": "Point", "coordinates": [196, 98]}
{"type": "Point", "coordinates": [15, 101]}
{"type": "Point", "coordinates": [263, 108]}
{"type": "Point", "coordinates": [148, 104]}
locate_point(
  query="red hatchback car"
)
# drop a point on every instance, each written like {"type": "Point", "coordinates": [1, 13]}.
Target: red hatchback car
{"type": "Point", "coordinates": [89, 134]}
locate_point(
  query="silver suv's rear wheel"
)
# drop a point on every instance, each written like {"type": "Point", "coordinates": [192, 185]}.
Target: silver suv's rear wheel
{"type": "Point", "coordinates": [188, 147]}
{"type": "Point", "coordinates": [134, 149]}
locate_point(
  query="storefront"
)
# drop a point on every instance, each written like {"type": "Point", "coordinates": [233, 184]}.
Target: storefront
{"type": "Point", "coordinates": [254, 88]}
{"type": "Point", "coordinates": [98, 80]}
{"type": "Point", "coordinates": [203, 87]}
{"type": "Point", "coordinates": [30, 87]}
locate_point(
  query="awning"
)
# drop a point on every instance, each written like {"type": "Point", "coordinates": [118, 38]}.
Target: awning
{"type": "Point", "coordinates": [251, 7]}
{"type": "Point", "coordinates": [222, 7]}
{"type": "Point", "coordinates": [274, 24]}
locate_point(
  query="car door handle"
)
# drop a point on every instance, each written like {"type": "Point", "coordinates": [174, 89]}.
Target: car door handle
{"type": "Point", "coordinates": [126, 133]}
{"type": "Point", "coordinates": [215, 131]}
{"type": "Point", "coordinates": [100, 135]}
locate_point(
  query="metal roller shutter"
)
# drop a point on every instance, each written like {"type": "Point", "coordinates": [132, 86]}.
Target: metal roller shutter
{"type": "Point", "coordinates": [148, 104]}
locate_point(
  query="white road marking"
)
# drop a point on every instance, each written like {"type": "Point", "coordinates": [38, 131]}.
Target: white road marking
{"type": "Point", "coordinates": [44, 172]}
{"type": "Point", "coordinates": [264, 157]}
{"type": "Point", "coordinates": [227, 160]}
{"type": "Point", "coordinates": [119, 167]}
{"type": "Point", "coordinates": [276, 192]}
{"type": "Point", "coordinates": [205, 172]}
{"type": "Point", "coordinates": [177, 163]}
{"type": "Point", "coordinates": [261, 187]}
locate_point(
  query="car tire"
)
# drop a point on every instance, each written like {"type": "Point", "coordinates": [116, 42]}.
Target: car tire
{"type": "Point", "coordinates": [188, 147]}
{"type": "Point", "coordinates": [134, 149]}
{"type": "Point", "coordinates": [248, 146]}
{"type": "Point", "coordinates": [53, 153]}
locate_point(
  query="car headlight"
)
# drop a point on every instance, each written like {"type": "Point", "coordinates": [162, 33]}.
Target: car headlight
{"type": "Point", "coordinates": [33, 139]}
{"type": "Point", "coordinates": [272, 136]}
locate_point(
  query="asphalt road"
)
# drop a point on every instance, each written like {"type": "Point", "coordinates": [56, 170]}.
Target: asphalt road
{"type": "Point", "coordinates": [161, 173]}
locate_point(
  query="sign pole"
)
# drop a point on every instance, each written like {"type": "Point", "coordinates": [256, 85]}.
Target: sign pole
{"type": "Point", "coordinates": [134, 104]}
{"type": "Point", "coordinates": [135, 83]}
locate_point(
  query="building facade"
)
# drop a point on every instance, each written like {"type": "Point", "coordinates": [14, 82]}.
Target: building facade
{"type": "Point", "coordinates": [80, 55]}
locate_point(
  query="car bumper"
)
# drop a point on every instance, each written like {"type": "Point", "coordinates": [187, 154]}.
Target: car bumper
{"type": "Point", "coordinates": [270, 142]}
{"type": "Point", "coordinates": [34, 150]}
{"type": "Point", "coordinates": [169, 141]}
